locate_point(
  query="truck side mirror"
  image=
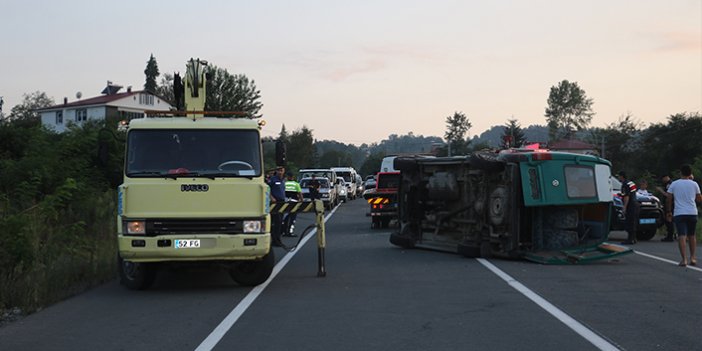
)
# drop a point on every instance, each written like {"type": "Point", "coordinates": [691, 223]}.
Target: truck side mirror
{"type": "Point", "coordinates": [280, 153]}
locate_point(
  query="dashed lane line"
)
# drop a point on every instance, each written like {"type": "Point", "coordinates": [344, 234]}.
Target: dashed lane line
{"type": "Point", "coordinates": [569, 321]}
{"type": "Point", "coordinates": [218, 333]}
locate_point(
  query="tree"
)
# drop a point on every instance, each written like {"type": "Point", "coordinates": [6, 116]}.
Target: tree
{"type": "Point", "coordinates": [151, 73]}
{"type": "Point", "coordinates": [568, 110]}
{"type": "Point", "coordinates": [301, 148]}
{"type": "Point", "coordinates": [227, 92]}
{"type": "Point", "coordinates": [512, 135]}
{"type": "Point", "coordinates": [334, 158]}
{"type": "Point", "coordinates": [456, 128]}
{"type": "Point", "coordinates": [620, 140]}
{"type": "Point", "coordinates": [372, 164]}
{"type": "Point", "coordinates": [668, 146]}
{"type": "Point", "coordinates": [26, 112]}
{"type": "Point", "coordinates": [165, 89]}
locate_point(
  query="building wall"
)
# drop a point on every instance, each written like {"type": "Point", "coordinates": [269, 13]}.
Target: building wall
{"type": "Point", "coordinates": [125, 108]}
{"type": "Point", "coordinates": [93, 113]}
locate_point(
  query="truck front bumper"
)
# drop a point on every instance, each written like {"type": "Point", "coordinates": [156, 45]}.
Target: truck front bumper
{"type": "Point", "coordinates": [211, 247]}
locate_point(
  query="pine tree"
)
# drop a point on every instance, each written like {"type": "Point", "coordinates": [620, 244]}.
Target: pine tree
{"type": "Point", "coordinates": [151, 73]}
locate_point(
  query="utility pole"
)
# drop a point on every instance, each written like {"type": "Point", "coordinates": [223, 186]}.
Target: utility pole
{"type": "Point", "coordinates": [603, 147]}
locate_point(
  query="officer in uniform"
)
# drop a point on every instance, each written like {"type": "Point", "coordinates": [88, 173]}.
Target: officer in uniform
{"type": "Point", "coordinates": [293, 194]}
{"type": "Point", "coordinates": [670, 231]}
{"type": "Point", "coordinates": [631, 207]}
{"type": "Point", "coordinates": [277, 185]}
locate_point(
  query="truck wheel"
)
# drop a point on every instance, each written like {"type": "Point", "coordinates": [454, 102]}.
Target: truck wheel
{"type": "Point", "coordinates": [401, 241]}
{"type": "Point", "coordinates": [252, 273]}
{"type": "Point", "coordinates": [375, 223]}
{"type": "Point", "coordinates": [135, 275]}
{"type": "Point", "coordinates": [645, 234]}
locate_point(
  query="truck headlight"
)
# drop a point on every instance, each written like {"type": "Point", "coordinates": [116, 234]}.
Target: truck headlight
{"type": "Point", "coordinates": [136, 227]}
{"type": "Point", "coordinates": [252, 226]}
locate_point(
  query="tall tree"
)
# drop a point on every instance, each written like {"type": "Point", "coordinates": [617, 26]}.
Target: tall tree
{"type": "Point", "coordinates": [151, 73]}
{"type": "Point", "coordinates": [25, 113]}
{"type": "Point", "coordinates": [301, 148]}
{"type": "Point", "coordinates": [457, 127]}
{"type": "Point", "coordinates": [512, 135]}
{"type": "Point", "coordinates": [227, 92]}
{"type": "Point", "coordinates": [569, 109]}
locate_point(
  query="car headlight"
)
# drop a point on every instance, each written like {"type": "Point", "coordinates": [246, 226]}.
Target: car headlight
{"type": "Point", "coordinates": [136, 227]}
{"type": "Point", "coordinates": [253, 226]}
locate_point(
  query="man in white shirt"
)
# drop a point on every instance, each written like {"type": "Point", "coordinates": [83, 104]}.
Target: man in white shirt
{"type": "Point", "coordinates": [685, 194]}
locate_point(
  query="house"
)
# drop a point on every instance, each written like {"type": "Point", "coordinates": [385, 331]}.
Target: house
{"type": "Point", "coordinates": [574, 146]}
{"type": "Point", "coordinates": [112, 106]}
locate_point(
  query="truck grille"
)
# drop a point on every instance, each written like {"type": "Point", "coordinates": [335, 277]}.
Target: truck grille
{"type": "Point", "coordinates": [193, 226]}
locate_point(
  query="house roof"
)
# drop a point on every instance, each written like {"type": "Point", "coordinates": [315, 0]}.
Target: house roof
{"type": "Point", "coordinates": [98, 100]}
{"type": "Point", "coordinates": [571, 144]}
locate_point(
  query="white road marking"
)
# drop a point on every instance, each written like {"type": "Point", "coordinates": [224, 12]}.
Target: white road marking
{"type": "Point", "coordinates": [665, 260]}
{"type": "Point", "coordinates": [218, 333]}
{"type": "Point", "coordinates": [571, 323]}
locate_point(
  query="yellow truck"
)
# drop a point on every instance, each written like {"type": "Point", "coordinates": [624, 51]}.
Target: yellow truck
{"type": "Point", "coordinates": [194, 192]}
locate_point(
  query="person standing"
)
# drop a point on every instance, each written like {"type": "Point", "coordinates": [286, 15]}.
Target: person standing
{"type": "Point", "coordinates": [685, 193]}
{"type": "Point", "coordinates": [631, 207]}
{"type": "Point", "coordinates": [293, 194]}
{"type": "Point", "coordinates": [670, 231]}
{"type": "Point", "coordinates": [277, 186]}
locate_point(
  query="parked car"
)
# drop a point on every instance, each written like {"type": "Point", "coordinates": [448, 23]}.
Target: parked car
{"type": "Point", "coordinates": [650, 216]}
{"type": "Point", "coordinates": [327, 192]}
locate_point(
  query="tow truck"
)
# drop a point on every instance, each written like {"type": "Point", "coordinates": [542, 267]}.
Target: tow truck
{"type": "Point", "coordinates": [193, 192]}
{"type": "Point", "coordinates": [544, 206]}
{"type": "Point", "coordinates": [383, 199]}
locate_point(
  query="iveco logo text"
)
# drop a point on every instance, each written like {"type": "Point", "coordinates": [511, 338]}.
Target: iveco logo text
{"type": "Point", "coordinates": [194, 187]}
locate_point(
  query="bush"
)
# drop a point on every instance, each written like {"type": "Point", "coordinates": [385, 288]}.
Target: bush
{"type": "Point", "coordinates": [57, 214]}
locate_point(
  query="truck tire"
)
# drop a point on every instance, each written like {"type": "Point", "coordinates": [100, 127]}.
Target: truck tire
{"type": "Point", "coordinates": [401, 241]}
{"type": "Point", "coordinates": [644, 235]}
{"type": "Point", "coordinates": [136, 275]}
{"type": "Point", "coordinates": [252, 273]}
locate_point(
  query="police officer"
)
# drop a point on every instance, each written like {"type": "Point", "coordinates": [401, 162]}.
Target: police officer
{"type": "Point", "coordinates": [631, 207]}
{"type": "Point", "coordinates": [277, 185]}
{"type": "Point", "coordinates": [670, 231]}
{"type": "Point", "coordinates": [293, 193]}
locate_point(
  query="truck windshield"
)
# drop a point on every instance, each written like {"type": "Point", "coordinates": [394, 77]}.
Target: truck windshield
{"type": "Point", "coordinates": [388, 181]}
{"type": "Point", "coordinates": [205, 153]}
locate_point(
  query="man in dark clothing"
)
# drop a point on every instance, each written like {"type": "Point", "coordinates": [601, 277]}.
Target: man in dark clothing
{"type": "Point", "coordinates": [277, 185]}
{"type": "Point", "coordinates": [314, 188]}
{"type": "Point", "coordinates": [631, 207]}
{"type": "Point", "coordinates": [670, 236]}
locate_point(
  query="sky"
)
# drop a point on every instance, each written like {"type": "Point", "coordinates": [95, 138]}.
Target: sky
{"type": "Point", "coordinates": [358, 71]}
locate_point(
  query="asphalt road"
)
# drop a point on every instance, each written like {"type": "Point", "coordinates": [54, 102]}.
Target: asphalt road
{"type": "Point", "coordinates": [380, 297]}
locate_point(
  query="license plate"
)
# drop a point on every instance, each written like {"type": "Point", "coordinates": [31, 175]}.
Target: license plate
{"type": "Point", "coordinates": [187, 244]}
{"type": "Point", "coordinates": [647, 221]}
